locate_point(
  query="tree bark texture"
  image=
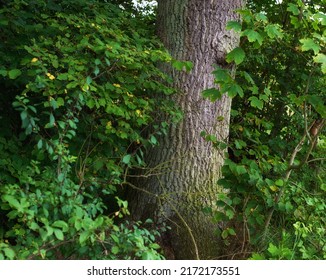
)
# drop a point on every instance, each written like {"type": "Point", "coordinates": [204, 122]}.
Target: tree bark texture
{"type": "Point", "coordinates": [185, 167]}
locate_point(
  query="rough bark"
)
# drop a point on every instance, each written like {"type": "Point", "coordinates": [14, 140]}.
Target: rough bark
{"type": "Point", "coordinates": [187, 167]}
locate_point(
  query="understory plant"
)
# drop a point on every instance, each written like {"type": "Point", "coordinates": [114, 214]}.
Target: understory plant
{"type": "Point", "coordinates": [274, 173]}
{"type": "Point", "coordinates": [79, 86]}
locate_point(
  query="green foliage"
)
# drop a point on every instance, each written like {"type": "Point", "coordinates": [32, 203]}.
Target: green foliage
{"type": "Point", "coordinates": [79, 88]}
{"type": "Point", "coordinates": [274, 173]}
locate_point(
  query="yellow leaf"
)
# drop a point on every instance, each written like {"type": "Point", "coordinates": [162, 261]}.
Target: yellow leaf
{"type": "Point", "coordinates": [34, 60]}
{"type": "Point", "coordinates": [51, 77]}
{"type": "Point", "coordinates": [274, 188]}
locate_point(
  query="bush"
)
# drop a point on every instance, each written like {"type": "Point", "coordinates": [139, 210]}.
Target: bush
{"type": "Point", "coordinates": [79, 86]}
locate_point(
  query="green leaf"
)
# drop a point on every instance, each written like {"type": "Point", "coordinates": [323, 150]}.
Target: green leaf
{"type": "Point", "coordinates": [62, 77]}
{"type": "Point", "coordinates": [225, 234]}
{"type": "Point", "coordinates": [231, 231]}
{"type": "Point", "coordinates": [178, 65]}
{"type": "Point", "coordinates": [273, 31]}
{"type": "Point", "coordinates": [89, 80]}
{"type": "Point", "coordinates": [235, 25]}
{"type": "Point", "coordinates": [61, 224]}
{"type": "Point", "coordinates": [261, 17]}
{"type": "Point", "coordinates": [3, 73]}
{"type": "Point", "coordinates": [11, 200]}
{"type": "Point", "coordinates": [235, 90]}
{"type": "Point", "coordinates": [115, 250]}
{"type": "Point", "coordinates": [14, 73]}
{"type": "Point", "coordinates": [309, 44]}
{"type": "Point", "coordinates": [253, 36]}
{"type": "Point", "coordinates": [60, 102]}
{"type": "Point", "coordinates": [83, 237]}
{"type": "Point", "coordinates": [256, 103]}
{"type": "Point", "coordinates": [153, 140]}
{"type": "Point", "coordinates": [237, 55]}
{"type": "Point", "coordinates": [58, 234]}
{"type": "Point", "coordinates": [10, 253]}
{"type": "Point", "coordinates": [40, 144]}
{"type": "Point", "coordinates": [189, 65]}
{"type": "Point", "coordinates": [213, 94]}
{"type": "Point", "coordinates": [279, 182]}
{"type": "Point", "coordinates": [321, 58]}
{"type": "Point", "coordinates": [240, 169]}
{"type": "Point", "coordinates": [222, 75]}
{"type": "Point", "coordinates": [273, 249]}
{"type": "Point", "coordinates": [126, 159]}
{"type": "Point", "coordinates": [293, 9]}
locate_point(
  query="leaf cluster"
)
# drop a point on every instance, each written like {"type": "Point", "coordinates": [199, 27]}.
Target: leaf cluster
{"type": "Point", "coordinates": [275, 163]}
{"type": "Point", "coordinates": [80, 87]}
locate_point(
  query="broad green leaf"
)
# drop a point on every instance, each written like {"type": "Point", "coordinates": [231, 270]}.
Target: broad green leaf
{"type": "Point", "coordinates": [40, 144]}
{"type": "Point", "coordinates": [62, 77]}
{"type": "Point", "coordinates": [321, 58]}
{"type": "Point", "coordinates": [115, 250]}
{"type": "Point", "coordinates": [222, 75]}
{"type": "Point", "coordinates": [3, 73]}
{"type": "Point", "coordinates": [237, 55]}
{"type": "Point", "coordinates": [293, 9]}
{"type": "Point", "coordinates": [89, 80]}
{"type": "Point", "coordinates": [235, 25]}
{"type": "Point", "coordinates": [234, 90]}
{"type": "Point", "coordinates": [10, 253]}
{"type": "Point", "coordinates": [279, 182]}
{"type": "Point", "coordinates": [60, 102]}
{"type": "Point", "coordinates": [261, 17]}
{"type": "Point", "coordinates": [309, 44]}
{"type": "Point", "coordinates": [189, 65]}
{"type": "Point", "coordinates": [240, 169]}
{"type": "Point", "coordinates": [11, 200]}
{"type": "Point", "coordinates": [213, 94]}
{"type": "Point", "coordinates": [61, 224]}
{"type": "Point", "coordinates": [153, 140]}
{"type": "Point", "coordinates": [90, 103]}
{"type": "Point", "coordinates": [225, 234]}
{"type": "Point", "coordinates": [256, 103]}
{"type": "Point", "coordinates": [83, 237]}
{"type": "Point", "coordinates": [253, 36]}
{"type": "Point", "coordinates": [126, 159]}
{"type": "Point", "coordinates": [231, 231]}
{"type": "Point", "coordinates": [14, 73]}
{"type": "Point", "coordinates": [178, 65]}
{"type": "Point", "coordinates": [58, 234]}
{"type": "Point", "coordinates": [273, 31]}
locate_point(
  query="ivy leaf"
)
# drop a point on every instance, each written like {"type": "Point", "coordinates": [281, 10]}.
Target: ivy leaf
{"type": "Point", "coordinates": [14, 73]}
{"type": "Point", "coordinates": [235, 25]}
{"type": "Point", "coordinates": [309, 44]}
{"type": "Point", "coordinates": [237, 55]}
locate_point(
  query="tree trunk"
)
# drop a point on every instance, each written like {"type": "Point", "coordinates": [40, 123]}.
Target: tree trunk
{"type": "Point", "coordinates": [185, 167]}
